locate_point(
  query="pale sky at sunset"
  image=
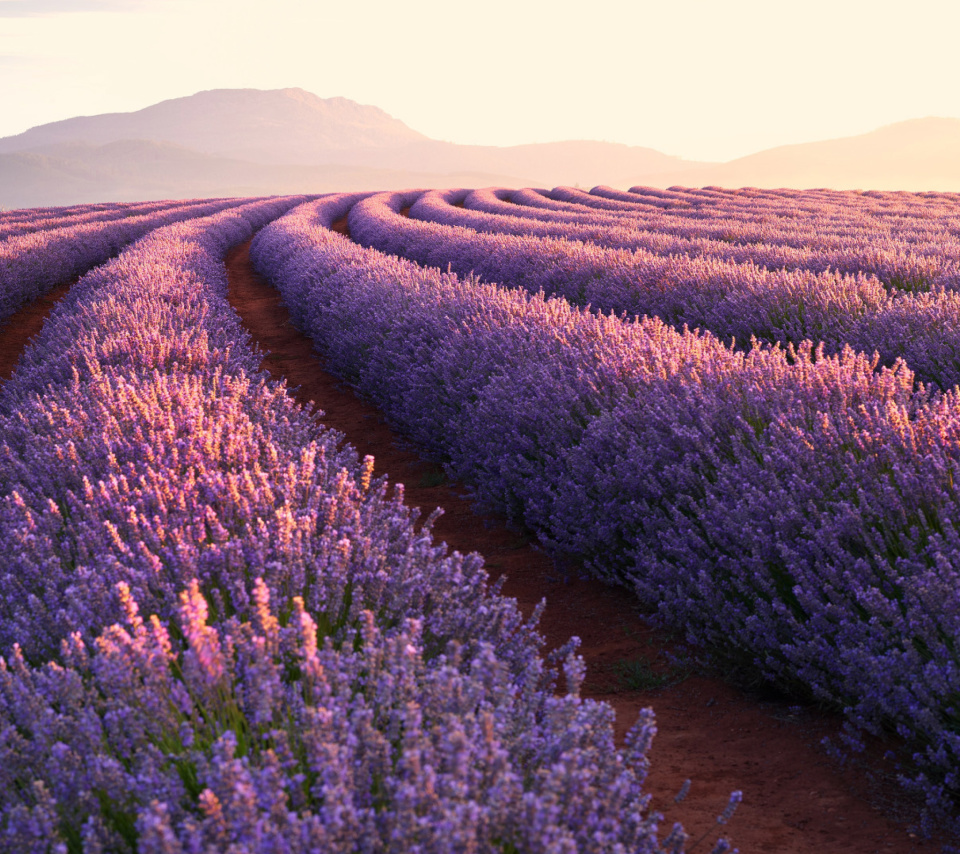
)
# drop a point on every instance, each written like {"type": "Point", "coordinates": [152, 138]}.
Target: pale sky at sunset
{"type": "Point", "coordinates": [703, 79]}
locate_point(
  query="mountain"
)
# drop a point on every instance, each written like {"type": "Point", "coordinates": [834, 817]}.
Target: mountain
{"type": "Point", "coordinates": [249, 141]}
{"type": "Point", "coordinates": [548, 163]}
{"type": "Point", "coordinates": [141, 170]}
{"type": "Point", "coordinates": [916, 155]}
{"type": "Point", "coordinates": [273, 126]}
{"type": "Point", "coordinates": [228, 142]}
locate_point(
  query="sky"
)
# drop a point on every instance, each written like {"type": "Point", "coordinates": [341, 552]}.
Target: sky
{"type": "Point", "coordinates": [701, 79]}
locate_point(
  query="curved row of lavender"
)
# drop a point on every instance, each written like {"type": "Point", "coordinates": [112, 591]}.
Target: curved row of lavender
{"type": "Point", "coordinates": [738, 301]}
{"type": "Point", "coordinates": [32, 264]}
{"type": "Point", "coordinates": [45, 220]}
{"type": "Point", "coordinates": [764, 239]}
{"type": "Point", "coordinates": [832, 202]}
{"type": "Point", "coordinates": [795, 511]}
{"type": "Point", "coordinates": [904, 216]}
{"type": "Point", "coordinates": [794, 222]}
{"type": "Point", "coordinates": [896, 262]}
{"type": "Point", "coordinates": [16, 214]}
{"type": "Point", "coordinates": [318, 675]}
{"type": "Point", "coordinates": [813, 199]}
{"type": "Point", "coordinates": [788, 220]}
{"type": "Point", "coordinates": [908, 252]}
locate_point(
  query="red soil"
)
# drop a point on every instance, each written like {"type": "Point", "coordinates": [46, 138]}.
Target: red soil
{"type": "Point", "coordinates": [795, 799]}
{"type": "Point", "coordinates": [22, 326]}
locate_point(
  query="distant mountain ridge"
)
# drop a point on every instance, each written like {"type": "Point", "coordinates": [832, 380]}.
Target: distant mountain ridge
{"type": "Point", "coordinates": [134, 170]}
{"type": "Point", "coordinates": [226, 142]}
{"type": "Point", "coordinates": [249, 141]}
{"type": "Point", "coordinates": [284, 125]}
{"type": "Point", "coordinates": [294, 127]}
{"type": "Point", "coordinates": [914, 155]}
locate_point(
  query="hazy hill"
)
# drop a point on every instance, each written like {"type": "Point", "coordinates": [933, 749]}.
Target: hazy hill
{"type": "Point", "coordinates": [548, 163]}
{"type": "Point", "coordinates": [134, 170]}
{"type": "Point", "coordinates": [919, 154]}
{"type": "Point", "coordinates": [228, 142]}
{"type": "Point", "coordinates": [274, 126]}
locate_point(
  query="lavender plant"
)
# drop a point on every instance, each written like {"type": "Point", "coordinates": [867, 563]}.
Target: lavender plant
{"type": "Point", "coordinates": [316, 674]}
{"type": "Point", "coordinates": [40, 220]}
{"type": "Point", "coordinates": [894, 261]}
{"type": "Point", "coordinates": [794, 510]}
{"type": "Point", "coordinates": [34, 263]}
{"type": "Point", "coordinates": [734, 301]}
{"type": "Point", "coordinates": [263, 735]}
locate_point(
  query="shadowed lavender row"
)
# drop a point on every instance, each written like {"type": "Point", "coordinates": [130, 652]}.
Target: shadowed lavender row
{"type": "Point", "coordinates": [794, 511]}
{"type": "Point", "coordinates": [319, 675]}
{"type": "Point", "coordinates": [793, 218]}
{"type": "Point", "coordinates": [907, 252]}
{"type": "Point", "coordinates": [907, 216]}
{"type": "Point", "coordinates": [32, 264]}
{"type": "Point", "coordinates": [896, 262]}
{"type": "Point", "coordinates": [740, 301]}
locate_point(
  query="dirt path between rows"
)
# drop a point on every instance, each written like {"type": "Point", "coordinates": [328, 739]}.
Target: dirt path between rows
{"type": "Point", "coordinates": [19, 328]}
{"type": "Point", "coordinates": [795, 799]}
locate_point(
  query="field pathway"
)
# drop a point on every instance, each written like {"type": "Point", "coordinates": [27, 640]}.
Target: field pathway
{"type": "Point", "coordinates": [17, 330]}
{"type": "Point", "coordinates": [795, 799]}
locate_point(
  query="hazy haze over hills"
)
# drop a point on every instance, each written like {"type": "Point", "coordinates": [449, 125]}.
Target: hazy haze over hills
{"type": "Point", "coordinates": [276, 126]}
{"type": "Point", "coordinates": [227, 142]}
{"type": "Point", "coordinates": [920, 154]}
{"type": "Point", "coordinates": [250, 141]}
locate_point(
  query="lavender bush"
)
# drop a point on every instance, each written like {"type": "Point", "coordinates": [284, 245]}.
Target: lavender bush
{"type": "Point", "coordinates": [796, 511]}
{"type": "Point", "coordinates": [46, 220]}
{"type": "Point", "coordinates": [32, 264]}
{"type": "Point", "coordinates": [895, 262]}
{"type": "Point", "coordinates": [316, 673]}
{"type": "Point", "coordinates": [263, 735]}
{"type": "Point", "coordinates": [735, 301]}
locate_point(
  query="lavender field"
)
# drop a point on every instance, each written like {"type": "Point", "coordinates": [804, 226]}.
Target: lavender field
{"type": "Point", "coordinates": [220, 632]}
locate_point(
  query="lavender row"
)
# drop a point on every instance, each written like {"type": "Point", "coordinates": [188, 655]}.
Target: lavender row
{"type": "Point", "coordinates": [739, 301]}
{"type": "Point", "coordinates": [45, 220]}
{"type": "Point", "coordinates": [656, 233]}
{"type": "Point", "coordinates": [537, 205]}
{"type": "Point", "coordinates": [32, 264]}
{"type": "Point", "coordinates": [796, 512]}
{"type": "Point", "coordinates": [836, 203]}
{"type": "Point", "coordinates": [854, 240]}
{"type": "Point", "coordinates": [903, 215]}
{"type": "Point", "coordinates": [922, 328]}
{"type": "Point", "coordinates": [319, 675]}
{"type": "Point", "coordinates": [897, 264]}
{"type": "Point", "coordinates": [10, 216]}
{"type": "Point", "coordinates": [785, 228]}
{"type": "Point", "coordinates": [908, 262]}
{"type": "Point", "coordinates": [105, 340]}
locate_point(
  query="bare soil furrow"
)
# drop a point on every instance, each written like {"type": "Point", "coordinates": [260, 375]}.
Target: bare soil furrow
{"type": "Point", "coordinates": [19, 328]}
{"type": "Point", "coordinates": [795, 799]}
